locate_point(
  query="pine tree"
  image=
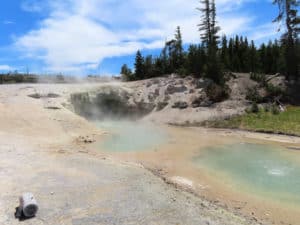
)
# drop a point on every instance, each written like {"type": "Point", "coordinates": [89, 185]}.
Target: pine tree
{"type": "Point", "coordinates": [269, 58]}
{"type": "Point", "coordinates": [170, 51]}
{"type": "Point", "coordinates": [126, 73]}
{"type": "Point", "coordinates": [148, 67]}
{"type": "Point", "coordinates": [192, 60]}
{"type": "Point", "coordinates": [225, 53]}
{"type": "Point", "coordinates": [205, 25]}
{"type": "Point", "coordinates": [231, 54]}
{"type": "Point", "coordinates": [178, 57]}
{"type": "Point", "coordinates": [241, 54]}
{"type": "Point", "coordinates": [163, 60]}
{"type": "Point", "coordinates": [236, 59]}
{"type": "Point", "coordinates": [139, 66]}
{"type": "Point", "coordinates": [288, 13]}
{"type": "Point", "coordinates": [244, 54]}
{"type": "Point", "coordinates": [253, 58]}
{"type": "Point", "coordinates": [214, 28]}
{"type": "Point", "coordinates": [209, 36]}
{"type": "Point", "coordinates": [195, 60]}
{"type": "Point", "coordinates": [275, 57]}
{"type": "Point", "coordinates": [247, 55]}
{"type": "Point", "coordinates": [262, 58]}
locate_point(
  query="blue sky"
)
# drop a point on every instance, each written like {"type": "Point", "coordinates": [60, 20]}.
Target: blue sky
{"type": "Point", "coordinates": [80, 37]}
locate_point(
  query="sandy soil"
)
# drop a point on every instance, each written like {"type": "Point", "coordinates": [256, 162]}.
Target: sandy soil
{"type": "Point", "coordinates": [44, 149]}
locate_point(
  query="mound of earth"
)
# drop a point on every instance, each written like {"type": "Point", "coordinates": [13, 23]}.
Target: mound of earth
{"type": "Point", "coordinates": [171, 100]}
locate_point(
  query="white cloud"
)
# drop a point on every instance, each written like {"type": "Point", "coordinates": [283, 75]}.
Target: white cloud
{"type": "Point", "coordinates": [79, 34]}
{"type": "Point", "coordinates": [5, 68]}
{"type": "Point", "coordinates": [265, 31]}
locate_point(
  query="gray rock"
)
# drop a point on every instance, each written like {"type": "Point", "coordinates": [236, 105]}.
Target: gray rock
{"type": "Point", "coordinates": [180, 105]}
{"type": "Point", "coordinates": [156, 92]}
{"type": "Point", "coordinates": [191, 91]}
{"type": "Point", "coordinates": [171, 89]}
{"type": "Point", "coordinates": [189, 78]}
{"type": "Point", "coordinates": [174, 76]}
{"type": "Point", "coordinates": [197, 102]}
{"type": "Point", "coordinates": [166, 98]}
{"type": "Point", "coordinates": [206, 103]}
{"type": "Point", "coordinates": [203, 83]}
{"type": "Point", "coordinates": [156, 81]}
{"type": "Point", "coordinates": [152, 97]}
{"type": "Point", "coordinates": [181, 81]}
{"type": "Point", "coordinates": [161, 105]}
{"type": "Point", "coordinates": [144, 108]}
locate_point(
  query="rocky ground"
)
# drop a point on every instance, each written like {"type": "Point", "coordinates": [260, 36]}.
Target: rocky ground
{"type": "Point", "coordinates": [171, 100]}
{"type": "Point", "coordinates": [44, 149]}
{"type": "Point", "coordinates": [186, 102]}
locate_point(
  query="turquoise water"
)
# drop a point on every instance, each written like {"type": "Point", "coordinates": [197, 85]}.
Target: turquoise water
{"type": "Point", "coordinates": [128, 136]}
{"type": "Point", "coordinates": [261, 169]}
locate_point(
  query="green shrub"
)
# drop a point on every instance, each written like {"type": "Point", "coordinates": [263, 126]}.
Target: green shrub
{"type": "Point", "coordinates": [254, 108]}
{"type": "Point", "coordinates": [182, 72]}
{"type": "Point", "coordinates": [126, 73]}
{"type": "Point", "coordinates": [274, 91]}
{"type": "Point", "coordinates": [253, 95]}
{"type": "Point", "coordinates": [260, 78]}
{"type": "Point", "coordinates": [267, 108]}
{"type": "Point", "coordinates": [275, 109]}
{"type": "Point", "coordinates": [217, 93]}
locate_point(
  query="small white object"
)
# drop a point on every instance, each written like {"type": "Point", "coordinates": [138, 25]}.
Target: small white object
{"type": "Point", "coordinates": [282, 109]}
{"type": "Point", "coordinates": [28, 205]}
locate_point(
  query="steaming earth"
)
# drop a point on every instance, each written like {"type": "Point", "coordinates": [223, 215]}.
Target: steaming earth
{"type": "Point", "coordinates": [47, 149]}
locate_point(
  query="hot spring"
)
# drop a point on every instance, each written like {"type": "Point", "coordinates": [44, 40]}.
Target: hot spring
{"type": "Point", "coordinates": [215, 161]}
{"type": "Point", "coordinates": [128, 135]}
{"type": "Point", "coordinates": [265, 170]}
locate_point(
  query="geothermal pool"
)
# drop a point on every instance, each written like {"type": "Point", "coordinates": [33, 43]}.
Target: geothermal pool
{"type": "Point", "coordinates": [131, 136]}
{"type": "Point", "coordinates": [243, 169]}
{"type": "Point", "coordinates": [265, 170]}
